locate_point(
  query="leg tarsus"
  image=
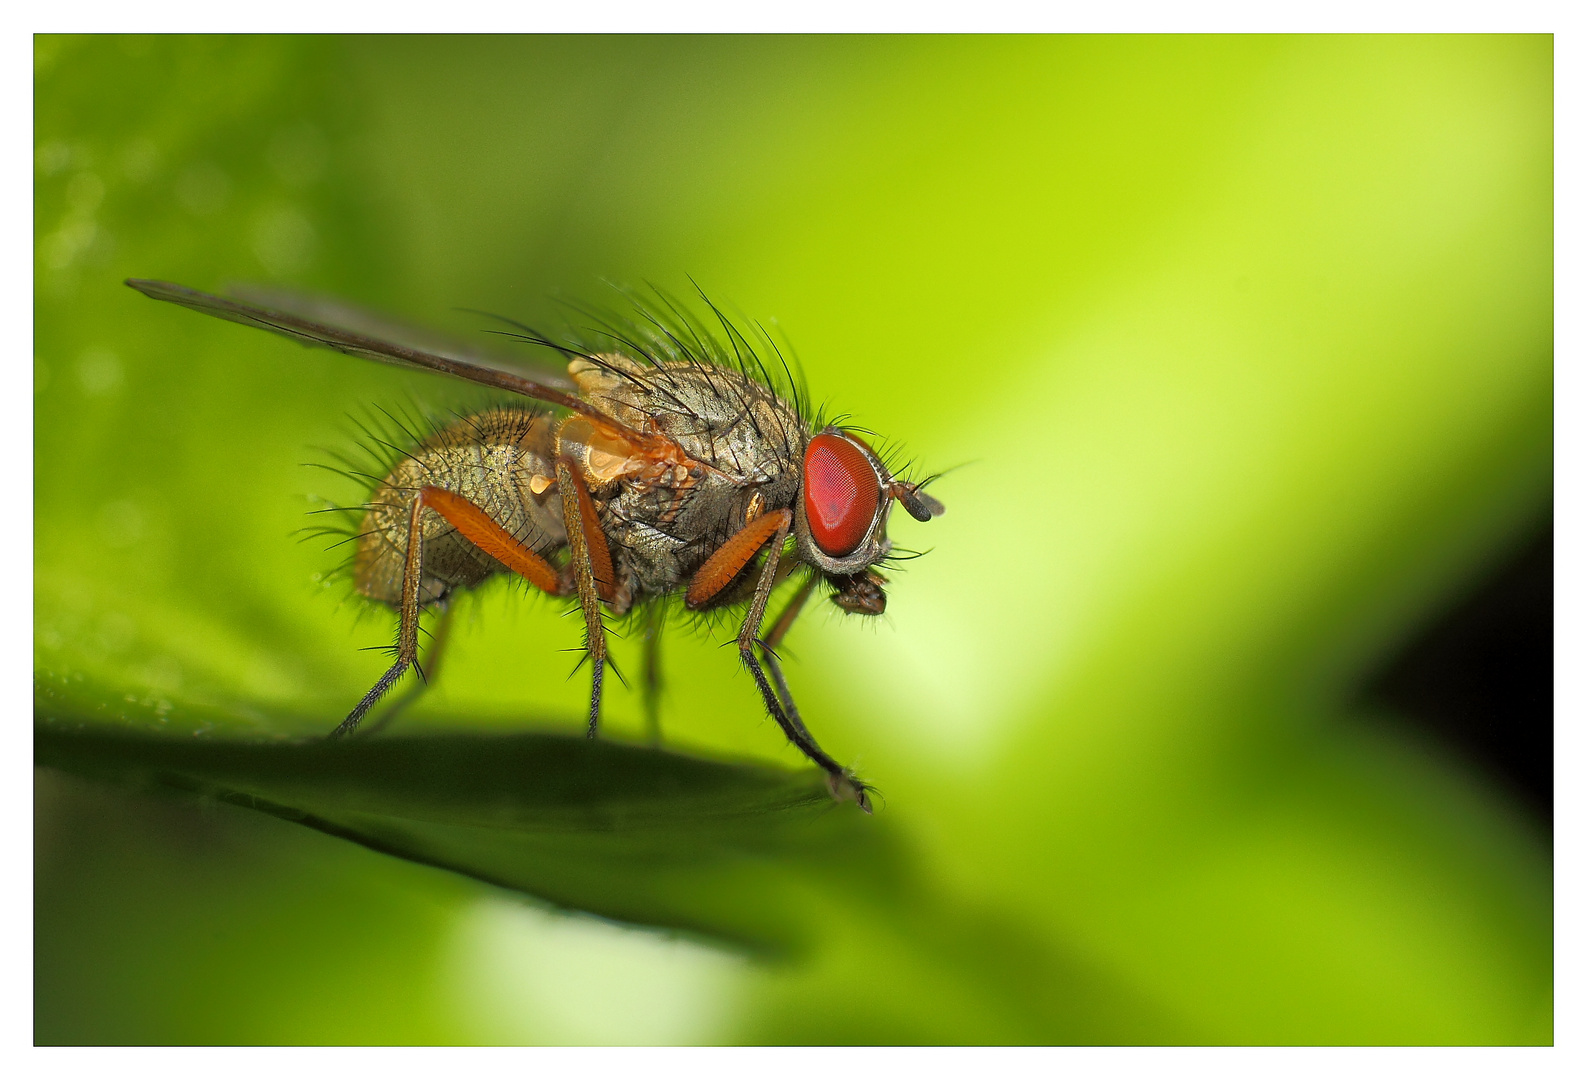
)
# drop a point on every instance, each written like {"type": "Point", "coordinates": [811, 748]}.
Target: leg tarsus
{"type": "Point", "coordinates": [377, 692]}
{"type": "Point", "coordinates": [599, 666]}
{"type": "Point", "coordinates": [843, 785]}
{"type": "Point", "coordinates": [429, 670]}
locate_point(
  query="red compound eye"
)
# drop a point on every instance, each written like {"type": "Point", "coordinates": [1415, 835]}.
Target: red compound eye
{"type": "Point", "coordinates": [841, 494]}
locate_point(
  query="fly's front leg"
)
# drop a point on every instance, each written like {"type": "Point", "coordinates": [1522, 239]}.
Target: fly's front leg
{"type": "Point", "coordinates": [592, 574]}
{"type": "Point", "coordinates": [769, 645]}
{"type": "Point", "coordinates": [769, 531]}
{"type": "Point", "coordinates": [407, 626]}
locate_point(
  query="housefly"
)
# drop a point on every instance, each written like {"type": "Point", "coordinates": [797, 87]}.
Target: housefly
{"type": "Point", "coordinates": [666, 463]}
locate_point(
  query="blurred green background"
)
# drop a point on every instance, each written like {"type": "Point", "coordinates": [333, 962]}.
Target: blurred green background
{"type": "Point", "coordinates": [1245, 345]}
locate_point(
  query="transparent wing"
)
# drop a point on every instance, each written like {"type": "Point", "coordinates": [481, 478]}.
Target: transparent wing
{"type": "Point", "coordinates": [330, 324]}
{"type": "Point", "coordinates": [330, 312]}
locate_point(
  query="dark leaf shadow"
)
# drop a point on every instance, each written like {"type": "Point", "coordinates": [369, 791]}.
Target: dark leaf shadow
{"type": "Point", "coordinates": [630, 833]}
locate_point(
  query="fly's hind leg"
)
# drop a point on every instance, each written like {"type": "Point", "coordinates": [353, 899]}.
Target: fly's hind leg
{"type": "Point", "coordinates": [429, 667]}
{"type": "Point", "coordinates": [478, 529]}
{"type": "Point", "coordinates": [407, 626]}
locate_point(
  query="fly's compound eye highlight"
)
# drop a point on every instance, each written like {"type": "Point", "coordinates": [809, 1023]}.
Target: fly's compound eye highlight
{"type": "Point", "coordinates": [841, 494]}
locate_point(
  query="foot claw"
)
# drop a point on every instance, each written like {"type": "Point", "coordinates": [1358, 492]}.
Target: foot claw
{"type": "Point", "coordinates": [845, 788]}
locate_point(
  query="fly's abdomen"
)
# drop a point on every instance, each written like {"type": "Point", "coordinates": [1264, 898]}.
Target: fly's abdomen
{"type": "Point", "coordinates": [500, 460]}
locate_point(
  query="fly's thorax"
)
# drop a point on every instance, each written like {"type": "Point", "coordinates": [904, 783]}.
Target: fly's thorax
{"type": "Point", "coordinates": [500, 460]}
{"type": "Point", "coordinates": [715, 415]}
{"type": "Point", "coordinates": [663, 532]}
{"type": "Point", "coordinates": [719, 448]}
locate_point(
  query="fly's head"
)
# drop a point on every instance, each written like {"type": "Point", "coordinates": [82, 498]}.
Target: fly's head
{"type": "Point", "coordinates": [840, 517]}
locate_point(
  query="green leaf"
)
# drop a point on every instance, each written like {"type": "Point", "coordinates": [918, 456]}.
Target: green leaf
{"type": "Point", "coordinates": [627, 832]}
{"type": "Point", "coordinates": [1249, 337]}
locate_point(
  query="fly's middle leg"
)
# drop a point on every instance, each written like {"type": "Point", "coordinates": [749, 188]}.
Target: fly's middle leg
{"type": "Point", "coordinates": [593, 578]}
{"type": "Point", "coordinates": [651, 686]}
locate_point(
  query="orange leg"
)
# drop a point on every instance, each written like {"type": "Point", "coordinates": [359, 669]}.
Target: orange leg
{"type": "Point", "coordinates": [770, 531]}
{"type": "Point", "coordinates": [407, 626]}
{"type": "Point", "coordinates": [595, 541]}
{"type": "Point", "coordinates": [725, 563]}
{"type": "Point", "coordinates": [592, 574]}
{"type": "Point", "coordinates": [478, 529]}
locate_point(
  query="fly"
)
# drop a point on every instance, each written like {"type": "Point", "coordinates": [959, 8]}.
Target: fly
{"type": "Point", "coordinates": [659, 469]}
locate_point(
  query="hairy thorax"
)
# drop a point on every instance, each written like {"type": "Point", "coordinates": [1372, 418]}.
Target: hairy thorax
{"type": "Point", "coordinates": [743, 445]}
